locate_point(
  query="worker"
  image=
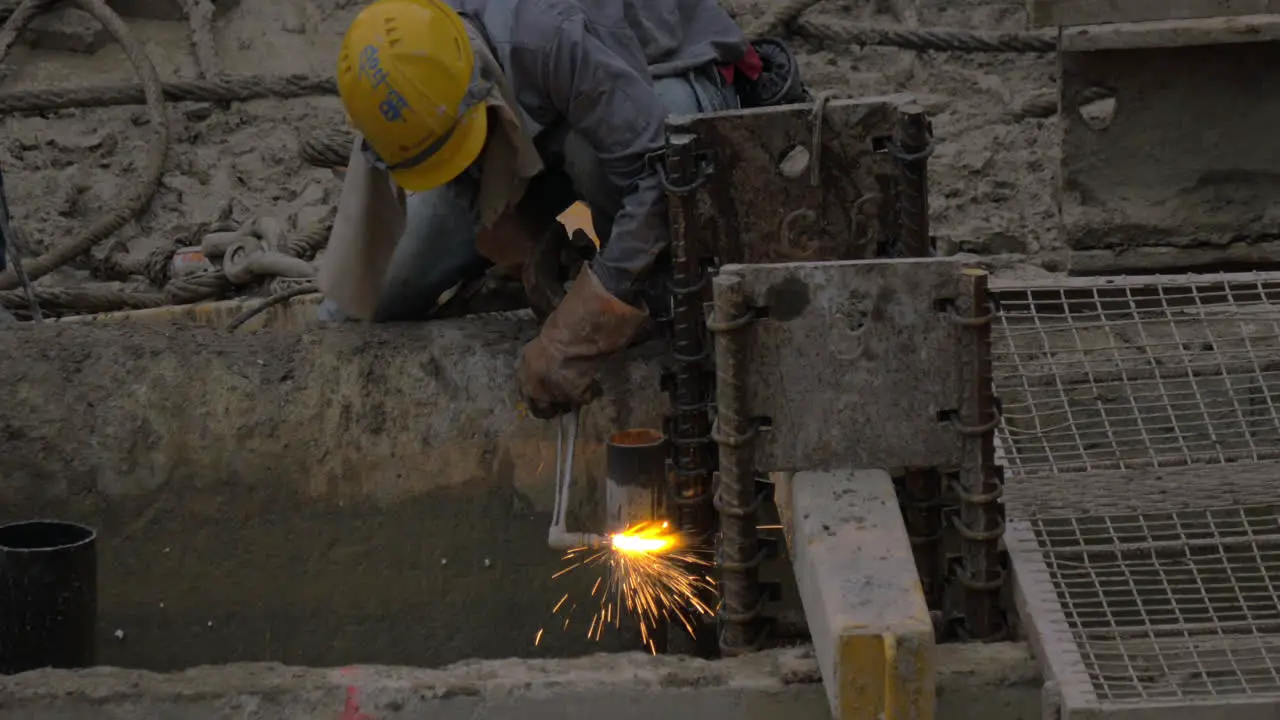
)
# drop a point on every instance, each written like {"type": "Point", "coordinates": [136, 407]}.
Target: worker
{"type": "Point", "coordinates": [479, 121]}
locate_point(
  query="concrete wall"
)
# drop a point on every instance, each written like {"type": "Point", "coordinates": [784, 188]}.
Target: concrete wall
{"type": "Point", "coordinates": [323, 497]}
{"type": "Point", "coordinates": [976, 682]}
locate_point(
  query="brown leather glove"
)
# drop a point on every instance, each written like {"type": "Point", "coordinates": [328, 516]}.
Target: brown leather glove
{"type": "Point", "coordinates": [558, 368]}
{"type": "Point", "coordinates": [508, 243]}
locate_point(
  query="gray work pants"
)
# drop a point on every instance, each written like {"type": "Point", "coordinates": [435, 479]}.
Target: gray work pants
{"type": "Point", "coordinates": [438, 249]}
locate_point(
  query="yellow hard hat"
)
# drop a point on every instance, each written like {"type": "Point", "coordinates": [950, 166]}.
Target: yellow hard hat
{"type": "Point", "coordinates": [408, 78]}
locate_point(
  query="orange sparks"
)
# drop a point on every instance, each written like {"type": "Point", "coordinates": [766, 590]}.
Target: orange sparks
{"type": "Point", "coordinates": [647, 572]}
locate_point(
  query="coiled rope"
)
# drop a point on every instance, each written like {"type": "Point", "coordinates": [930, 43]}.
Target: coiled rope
{"type": "Point", "coordinates": [131, 204]}
{"type": "Point", "coordinates": [96, 298]}
{"type": "Point", "coordinates": [151, 91]}
{"type": "Point", "coordinates": [329, 149]}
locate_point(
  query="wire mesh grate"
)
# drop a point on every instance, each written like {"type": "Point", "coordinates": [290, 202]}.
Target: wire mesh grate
{"type": "Point", "coordinates": [1176, 606]}
{"type": "Point", "coordinates": [1115, 373]}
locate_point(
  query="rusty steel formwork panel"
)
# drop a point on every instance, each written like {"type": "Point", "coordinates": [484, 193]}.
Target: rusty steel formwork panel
{"type": "Point", "coordinates": [802, 183]}
{"type": "Point", "coordinates": [880, 363]}
{"type": "Point", "coordinates": [833, 180]}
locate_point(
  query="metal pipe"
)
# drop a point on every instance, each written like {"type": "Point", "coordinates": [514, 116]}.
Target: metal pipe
{"type": "Point", "coordinates": [560, 539]}
{"type": "Point", "coordinates": [692, 451]}
{"type": "Point", "coordinates": [979, 483]}
{"type": "Point", "coordinates": [635, 475]}
{"type": "Point", "coordinates": [922, 511]}
{"type": "Point", "coordinates": [48, 596]}
{"type": "Point", "coordinates": [736, 499]}
{"type": "Point", "coordinates": [912, 147]}
{"type": "Point", "coordinates": [922, 487]}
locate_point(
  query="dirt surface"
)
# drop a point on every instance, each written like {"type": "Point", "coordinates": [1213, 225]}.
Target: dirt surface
{"type": "Point", "coordinates": [975, 682]}
{"type": "Point", "coordinates": [991, 177]}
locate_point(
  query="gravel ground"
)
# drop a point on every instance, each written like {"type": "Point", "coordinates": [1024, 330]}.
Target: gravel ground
{"type": "Point", "coordinates": [991, 177]}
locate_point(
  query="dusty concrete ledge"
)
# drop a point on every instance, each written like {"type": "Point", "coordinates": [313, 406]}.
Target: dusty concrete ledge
{"type": "Point", "coordinates": [992, 682]}
{"type": "Point", "coordinates": [377, 483]}
{"type": "Point", "coordinates": [379, 413]}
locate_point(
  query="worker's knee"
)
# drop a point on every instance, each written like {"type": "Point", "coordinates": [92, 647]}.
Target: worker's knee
{"type": "Point", "coordinates": [329, 312]}
{"type": "Point", "coordinates": [436, 252]}
{"type": "Point", "coordinates": [701, 91]}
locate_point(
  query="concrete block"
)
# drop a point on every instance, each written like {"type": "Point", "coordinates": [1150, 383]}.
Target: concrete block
{"type": "Point", "coordinates": [1048, 13]}
{"type": "Point", "coordinates": [1171, 33]}
{"type": "Point", "coordinates": [862, 597]}
{"type": "Point", "coordinates": [164, 9]}
{"type": "Point", "coordinates": [1211, 183]}
{"type": "Point", "coordinates": [68, 29]}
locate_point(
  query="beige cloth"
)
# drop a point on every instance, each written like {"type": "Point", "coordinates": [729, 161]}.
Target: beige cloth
{"type": "Point", "coordinates": [371, 211]}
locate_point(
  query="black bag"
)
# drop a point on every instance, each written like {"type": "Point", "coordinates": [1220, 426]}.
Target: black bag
{"type": "Point", "coordinates": [779, 82]}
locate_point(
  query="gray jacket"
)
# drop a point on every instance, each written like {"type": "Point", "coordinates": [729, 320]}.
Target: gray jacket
{"type": "Point", "coordinates": [590, 64]}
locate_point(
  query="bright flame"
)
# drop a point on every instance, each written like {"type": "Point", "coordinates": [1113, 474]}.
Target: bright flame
{"type": "Point", "coordinates": [645, 538]}
{"type": "Point", "coordinates": [647, 572]}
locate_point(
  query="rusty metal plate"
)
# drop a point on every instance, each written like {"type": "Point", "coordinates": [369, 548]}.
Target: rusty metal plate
{"type": "Point", "coordinates": [763, 201]}
{"type": "Point", "coordinates": [855, 363]}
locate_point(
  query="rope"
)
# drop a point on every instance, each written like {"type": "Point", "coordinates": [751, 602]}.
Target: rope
{"type": "Point", "coordinates": [12, 248]}
{"type": "Point", "coordinates": [19, 16]}
{"type": "Point", "coordinates": [84, 299]}
{"type": "Point", "coordinates": [102, 298]}
{"type": "Point", "coordinates": [224, 88]}
{"type": "Point", "coordinates": [28, 290]}
{"type": "Point", "coordinates": [932, 39]}
{"type": "Point", "coordinates": [200, 17]}
{"type": "Point", "coordinates": [154, 266]}
{"type": "Point", "coordinates": [328, 149]}
{"type": "Point", "coordinates": [779, 18]}
{"type": "Point", "coordinates": [307, 243]}
{"type": "Point", "coordinates": [131, 205]}
{"type": "Point", "coordinates": [280, 297]}
{"type": "Point", "coordinates": [197, 288]}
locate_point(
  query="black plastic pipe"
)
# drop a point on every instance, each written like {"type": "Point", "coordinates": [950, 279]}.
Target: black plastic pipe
{"type": "Point", "coordinates": [48, 595]}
